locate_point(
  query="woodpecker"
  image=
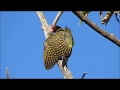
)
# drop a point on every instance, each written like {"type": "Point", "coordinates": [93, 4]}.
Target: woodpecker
{"type": "Point", "coordinates": [58, 46]}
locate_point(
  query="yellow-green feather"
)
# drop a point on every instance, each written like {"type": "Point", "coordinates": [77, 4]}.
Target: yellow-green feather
{"type": "Point", "coordinates": [57, 45]}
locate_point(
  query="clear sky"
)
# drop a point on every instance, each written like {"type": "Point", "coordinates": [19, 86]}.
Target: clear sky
{"type": "Point", "coordinates": [22, 46]}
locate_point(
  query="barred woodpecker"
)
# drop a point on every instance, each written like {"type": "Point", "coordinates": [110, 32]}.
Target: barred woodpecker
{"type": "Point", "coordinates": [58, 46]}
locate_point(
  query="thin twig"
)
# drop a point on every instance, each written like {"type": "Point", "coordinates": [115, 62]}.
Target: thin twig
{"type": "Point", "coordinates": [7, 73]}
{"type": "Point", "coordinates": [57, 17]}
{"type": "Point", "coordinates": [67, 74]}
{"type": "Point", "coordinates": [101, 15]}
{"type": "Point", "coordinates": [105, 34]}
{"type": "Point", "coordinates": [116, 13]}
{"type": "Point", "coordinates": [84, 75]}
{"type": "Point", "coordinates": [107, 17]}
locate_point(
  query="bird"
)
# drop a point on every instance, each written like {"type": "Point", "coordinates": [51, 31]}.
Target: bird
{"type": "Point", "coordinates": [58, 46]}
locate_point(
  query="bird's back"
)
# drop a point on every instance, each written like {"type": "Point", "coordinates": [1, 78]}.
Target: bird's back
{"type": "Point", "coordinates": [57, 45]}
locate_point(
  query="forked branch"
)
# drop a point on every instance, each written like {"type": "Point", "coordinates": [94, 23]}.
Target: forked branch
{"type": "Point", "coordinates": [47, 30]}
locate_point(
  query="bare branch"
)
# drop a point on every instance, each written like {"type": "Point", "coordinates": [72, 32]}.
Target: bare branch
{"type": "Point", "coordinates": [105, 34]}
{"type": "Point", "coordinates": [117, 13]}
{"type": "Point", "coordinates": [101, 15]}
{"type": "Point", "coordinates": [7, 73]}
{"type": "Point", "coordinates": [46, 28]}
{"type": "Point", "coordinates": [84, 75]}
{"type": "Point", "coordinates": [107, 17]}
{"type": "Point", "coordinates": [67, 74]}
{"type": "Point", "coordinates": [57, 17]}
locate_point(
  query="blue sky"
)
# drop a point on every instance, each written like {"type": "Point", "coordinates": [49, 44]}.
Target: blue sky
{"type": "Point", "coordinates": [22, 47]}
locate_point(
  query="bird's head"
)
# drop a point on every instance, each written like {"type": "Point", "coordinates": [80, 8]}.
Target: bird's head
{"type": "Point", "coordinates": [55, 28]}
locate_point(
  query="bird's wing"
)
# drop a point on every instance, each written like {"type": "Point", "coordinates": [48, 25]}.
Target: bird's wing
{"type": "Point", "coordinates": [54, 49]}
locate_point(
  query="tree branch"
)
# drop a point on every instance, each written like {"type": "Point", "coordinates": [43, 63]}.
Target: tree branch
{"type": "Point", "coordinates": [111, 37]}
{"type": "Point", "coordinates": [57, 17]}
{"type": "Point", "coordinates": [107, 17]}
{"type": "Point", "coordinates": [84, 75]}
{"type": "Point", "coordinates": [47, 30]}
{"type": "Point", "coordinates": [117, 13]}
{"type": "Point", "coordinates": [7, 73]}
{"type": "Point", "coordinates": [66, 72]}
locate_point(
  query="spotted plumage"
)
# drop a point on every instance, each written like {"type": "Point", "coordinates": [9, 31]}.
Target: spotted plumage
{"type": "Point", "coordinates": [56, 46]}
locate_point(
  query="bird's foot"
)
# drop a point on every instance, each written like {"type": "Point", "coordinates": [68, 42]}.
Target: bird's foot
{"type": "Point", "coordinates": [64, 61]}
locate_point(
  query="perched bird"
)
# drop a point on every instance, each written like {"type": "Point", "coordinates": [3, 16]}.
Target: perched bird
{"type": "Point", "coordinates": [58, 46]}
